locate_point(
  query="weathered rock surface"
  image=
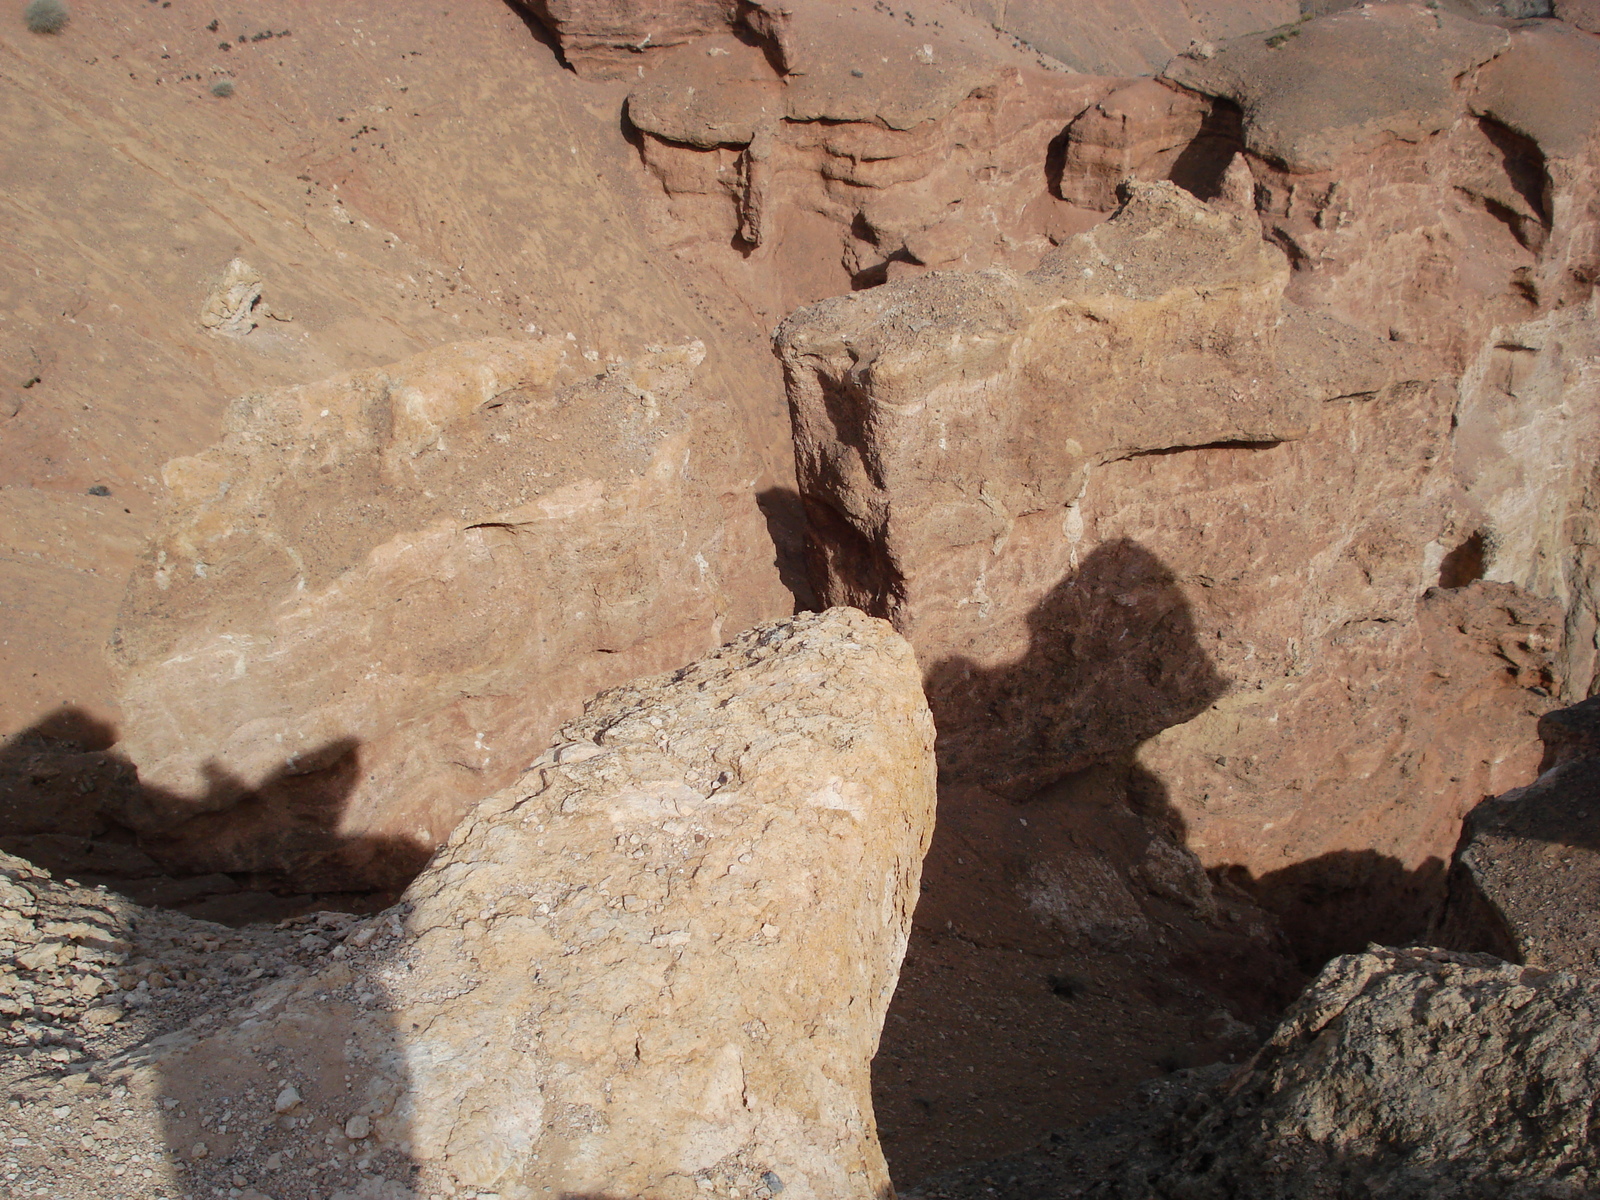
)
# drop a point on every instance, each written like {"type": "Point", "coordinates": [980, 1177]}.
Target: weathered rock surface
{"type": "Point", "coordinates": [1127, 39]}
{"type": "Point", "coordinates": [612, 38]}
{"type": "Point", "coordinates": [386, 210]}
{"type": "Point", "coordinates": [918, 144]}
{"type": "Point", "coordinates": [86, 976]}
{"type": "Point", "coordinates": [979, 456]}
{"type": "Point", "coordinates": [378, 595]}
{"type": "Point", "coordinates": [656, 964]}
{"type": "Point", "coordinates": [1312, 93]}
{"type": "Point", "coordinates": [1412, 1073]}
{"type": "Point", "coordinates": [1524, 883]}
{"type": "Point", "coordinates": [608, 38]}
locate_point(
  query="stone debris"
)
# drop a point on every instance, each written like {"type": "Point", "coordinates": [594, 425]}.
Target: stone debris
{"type": "Point", "coordinates": [1419, 1074]}
{"type": "Point", "coordinates": [86, 976]}
{"type": "Point", "coordinates": [1406, 1073]}
{"type": "Point", "coordinates": [234, 302]}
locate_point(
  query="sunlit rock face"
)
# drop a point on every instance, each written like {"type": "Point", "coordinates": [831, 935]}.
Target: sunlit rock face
{"type": "Point", "coordinates": [375, 599]}
{"type": "Point", "coordinates": [1139, 506]}
{"type": "Point", "coordinates": [657, 963]}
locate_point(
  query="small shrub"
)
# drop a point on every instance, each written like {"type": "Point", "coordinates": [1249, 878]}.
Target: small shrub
{"type": "Point", "coordinates": [222, 88]}
{"type": "Point", "coordinates": [46, 16]}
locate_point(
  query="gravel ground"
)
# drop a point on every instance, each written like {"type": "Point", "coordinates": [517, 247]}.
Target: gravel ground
{"type": "Point", "coordinates": [88, 976]}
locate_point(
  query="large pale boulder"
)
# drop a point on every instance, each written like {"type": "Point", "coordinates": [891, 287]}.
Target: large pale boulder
{"type": "Point", "coordinates": [377, 596]}
{"type": "Point", "coordinates": [657, 963]}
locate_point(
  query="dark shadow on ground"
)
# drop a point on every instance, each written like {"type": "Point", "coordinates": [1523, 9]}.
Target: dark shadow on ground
{"type": "Point", "coordinates": [71, 804]}
{"type": "Point", "coordinates": [1339, 903]}
{"type": "Point", "coordinates": [1067, 945]}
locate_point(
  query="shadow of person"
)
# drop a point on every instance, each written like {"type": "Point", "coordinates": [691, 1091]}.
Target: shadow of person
{"type": "Point", "coordinates": [1066, 944]}
{"type": "Point", "coordinates": [785, 515]}
{"type": "Point", "coordinates": [1112, 659]}
{"type": "Point", "coordinates": [70, 803]}
{"type": "Point", "coordinates": [224, 1021]}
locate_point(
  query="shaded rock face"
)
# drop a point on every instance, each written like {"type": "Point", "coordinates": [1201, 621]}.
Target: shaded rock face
{"type": "Point", "coordinates": [657, 963]}
{"type": "Point", "coordinates": [1524, 881]}
{"type": "Point", "coordinates": [379, 595]}
{"type": "Point", "coordinates": [1415, 1073]}
{"type": "Point", "coordinates": [1137, 501]}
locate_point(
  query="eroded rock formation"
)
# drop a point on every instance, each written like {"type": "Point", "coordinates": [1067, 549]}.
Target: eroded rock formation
{"type": "Point", "coordinates": [990, 460]}
{"type": "Point", "coordinates": [378, 595]}
{"type": "Point", "coordinates": [836, 147]}
{"type": "Point", "coordinates": [659, 961]}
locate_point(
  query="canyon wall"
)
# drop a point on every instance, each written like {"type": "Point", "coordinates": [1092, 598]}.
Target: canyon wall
{"type": "Point", "coordinates": [1275, 494]}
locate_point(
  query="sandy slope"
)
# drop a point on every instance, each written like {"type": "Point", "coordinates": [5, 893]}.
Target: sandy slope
{"type": "Point", "coordinates": [401, 174]}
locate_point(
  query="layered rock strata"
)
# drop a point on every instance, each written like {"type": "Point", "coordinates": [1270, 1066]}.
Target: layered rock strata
{"type": "Point", "coordinates": [1135, 498]}
{"type": "Point", "coordinates": [377, 596]}
{"type": "Point", "coordinates": [657, 964]}
{"type": "Point", "coordinates": [1447, 206]}
{"type": "Point", "coordinates": [836, 147]}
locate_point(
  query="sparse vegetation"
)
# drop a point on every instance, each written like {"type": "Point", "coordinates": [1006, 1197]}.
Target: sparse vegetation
{"type": "Point", "coordinates": [222, 88]}
{"type": "Point", "coordinates": [46, 16]}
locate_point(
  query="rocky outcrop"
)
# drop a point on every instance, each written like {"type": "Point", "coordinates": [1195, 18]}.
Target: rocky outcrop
{"type": "Point", "coordinates": [656, 964]}
{"type": "Point", "coordinates": [1471, 234]}
{"type": "Point", "coordinates": [992, 461]}
{"type": "Point", "coordinates": [1524, 881]}
{"type": "Point", "coordinates": [377, 596]}
{"type": "Point", "coordinates": [609, 38]}
{"type": "Point", "coordinates": [1428, 321]}
{"type": "Point", "coordinates": [1404, 1073]}
{"type": "Point", "coordinates": [920, 145]}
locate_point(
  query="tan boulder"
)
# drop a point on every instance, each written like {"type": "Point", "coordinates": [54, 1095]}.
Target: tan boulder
{"type": "Point", "coordinates": [378, 595]}
{"type": "Point", "coordinates": [656, 964]}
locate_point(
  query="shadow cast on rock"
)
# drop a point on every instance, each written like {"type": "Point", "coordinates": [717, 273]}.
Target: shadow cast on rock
{"type": "Point", "coordinates": [1068, 944]}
